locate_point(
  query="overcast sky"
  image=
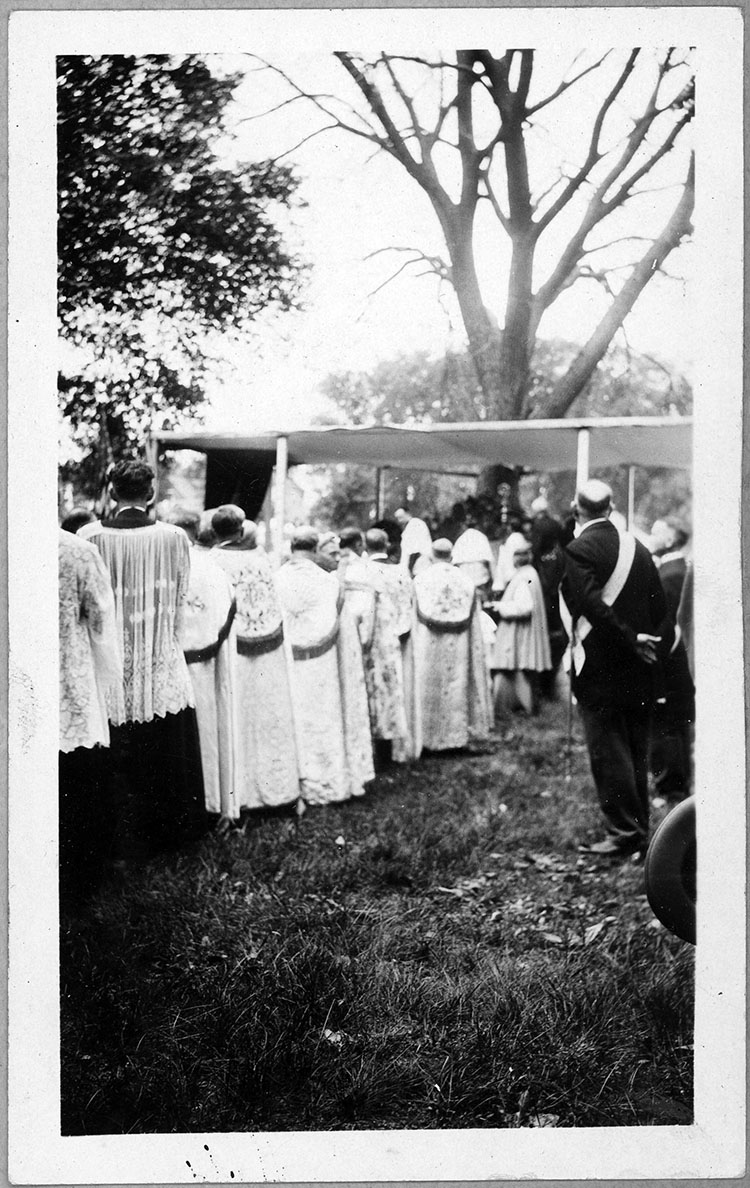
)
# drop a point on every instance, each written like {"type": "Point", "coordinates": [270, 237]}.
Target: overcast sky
{"type": "Point", "coordinates": [358, 203]}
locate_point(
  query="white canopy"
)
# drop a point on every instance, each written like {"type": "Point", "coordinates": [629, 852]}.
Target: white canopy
{"type": "Point", "coordinates": [468, 447]}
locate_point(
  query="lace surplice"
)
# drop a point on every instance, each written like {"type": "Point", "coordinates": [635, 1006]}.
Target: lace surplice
{"type": "Point", "coordinates": [89, 655]}
{"type": "Point", "coordinates": [149, 569]}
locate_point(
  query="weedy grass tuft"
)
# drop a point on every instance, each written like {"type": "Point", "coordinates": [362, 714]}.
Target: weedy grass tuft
{"type": "Point", "coordinates": [434, 955]}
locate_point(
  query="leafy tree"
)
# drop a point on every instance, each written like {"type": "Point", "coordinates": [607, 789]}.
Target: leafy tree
{"type": "Point", "coordinates": [470, 133]}
{"type": "Point", "coordinates": [160, 244]}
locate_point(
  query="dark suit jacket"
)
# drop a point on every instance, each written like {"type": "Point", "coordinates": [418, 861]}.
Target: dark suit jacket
{"type": "Point", "coordinates": [672, 577]}
{"type": "Point", "coordinates": [613, 674]}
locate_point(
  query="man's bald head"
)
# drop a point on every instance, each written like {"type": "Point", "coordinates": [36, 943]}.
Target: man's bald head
{"type": "Point", "coordinates": [593, 500]}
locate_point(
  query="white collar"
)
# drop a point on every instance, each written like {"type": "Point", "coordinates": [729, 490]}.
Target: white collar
{"type": "Point", "coordinates": [598, 520]}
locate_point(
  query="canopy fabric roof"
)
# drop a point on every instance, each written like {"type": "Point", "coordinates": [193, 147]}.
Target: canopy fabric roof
{"type": "Point", "coordinates": [467, 447]}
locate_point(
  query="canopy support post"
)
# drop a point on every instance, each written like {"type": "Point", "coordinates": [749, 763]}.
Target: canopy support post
{"type": "Point", "coordinates": [582, 464]}
{"type": "Point", "coordinates": [152, 458]}
{"type": "Point", "coordinates": [279, 510]}
{"type": "Point", "coordinates": [631, 497]}
{"type": "Point", "coordinates": [380, 491]}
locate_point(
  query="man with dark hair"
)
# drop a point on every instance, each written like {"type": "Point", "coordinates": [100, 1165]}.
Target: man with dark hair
{"type": "Point", "coordinates": [154, 750]}
{"type": "Point", "coordinates": [76, 518]}
{"type": "Point", "coordinates": [620, 630]}
{"type": "Point", "coordinates": [351, 547]}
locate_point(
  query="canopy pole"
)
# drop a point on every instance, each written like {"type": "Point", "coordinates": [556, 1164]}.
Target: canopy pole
{"type": "Point", "coordinates": [279, 510]}
{"type": "Point", "coordinates": [582, 464]}
{"type": "Point", "coordinates": [152, 458]}
{"type": "Point", "coordinates": [380, 491]}
{"type": "Point", "coordinates": [631, 497]}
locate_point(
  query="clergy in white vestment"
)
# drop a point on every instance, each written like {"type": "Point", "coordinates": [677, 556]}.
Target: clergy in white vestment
{"type": "Point", "coordinates": [416, 541]}
{"type": "Point", "coordinates": [329, 696]}
{"type": "Point", "coordinates": [449, 649]}
{"type": "Point", "coordinates": [366, 596]}
{"type": "Point", "coordinates": [207, 643]}
{"type": "Point", "coordinates": [521, 649]}
{"type": "Point", "coordinates": [472, 552]}
{"type": "Point", "coordinates": [154, 747]}
{"type": "Point", "coordinates": [399, 587]}
{"type": "Point", "coordinates": [266, 768]}
{"type": "Point", "coordinates": [90, 664]}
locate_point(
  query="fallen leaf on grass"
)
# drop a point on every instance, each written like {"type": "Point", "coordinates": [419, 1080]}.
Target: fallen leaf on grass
{"type": "Point", "coordinates": [340, 840]}
{"type": "Point", "coordinates": [333, 1037]}
{"type": "Point", "coordinates": [544, 1119]}
{"type": "Point", "coordinates": [552, 938]}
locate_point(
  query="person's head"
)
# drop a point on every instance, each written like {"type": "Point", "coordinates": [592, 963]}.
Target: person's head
{"type": "Point", "coordinates": [539, 506]}
{"type": "Point", "coordinates": [328, 545]}
{"type": "Point", "coordinates": [304, 540]}
{"type": "Point", "coordinates": [442, 549]}
{"type": "Point", "coordinates": [376, 540]}
{"type": "Point", "coordinates": [402, 517]}
{"type": "Point", "coordinates": [132, 482]}
{"type": "Point", "coordinates": [519, 549]}
{"type": "Point", "coordinates": [189, 521]}
{"type": "Point", "coordinates": [227, 522]}
{"type": "Point", "coordinates": [76, 518]}
{"type": "Point", "coordinates": [352, 540]}
{"type": "Point", "coordinates": [593, 501]}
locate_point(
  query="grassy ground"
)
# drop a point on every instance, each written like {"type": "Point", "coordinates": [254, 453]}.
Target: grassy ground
{"type": "Point", "coordinates": [434, 955]}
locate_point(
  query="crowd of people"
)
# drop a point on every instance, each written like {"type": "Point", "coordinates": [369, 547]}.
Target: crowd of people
{"type": "Point", "coordinates": [202, 677]}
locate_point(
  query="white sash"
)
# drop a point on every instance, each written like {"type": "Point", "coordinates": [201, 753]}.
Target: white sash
{"type": "Point", "coordinates": [611, 592]}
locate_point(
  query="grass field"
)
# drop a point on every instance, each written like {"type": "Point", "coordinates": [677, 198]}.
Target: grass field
{"type": "Point", "coordinates": [436, 954]}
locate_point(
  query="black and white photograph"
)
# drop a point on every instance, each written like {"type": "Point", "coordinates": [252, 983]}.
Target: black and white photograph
{"type": "Point", "coordinates": [377, 743]}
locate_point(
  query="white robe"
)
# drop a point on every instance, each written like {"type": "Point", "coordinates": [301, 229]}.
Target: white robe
{"type": "Point", "coordinates": [207, 642]}
{"type": "Point", "coordinates": [522, 640]}
{"type": "Point", "coordinates": [266, 769]}
{"type": "Point", "coordinates": [415, 538]}
{"type": "Point", "coordinates": [400, 588]}
{"type": "Point", "coordinates": [365, 594]}
{"type": "Point", "coordinates": [90, 662]}
{"type": "Point", "coordinates": [329, 697]}
{"type": "Point", "coordinates": [449, 651]}
{"type": "Point", "coordinates": [149, 569]}
{"type": "Point", "coordinates": [473, 555]}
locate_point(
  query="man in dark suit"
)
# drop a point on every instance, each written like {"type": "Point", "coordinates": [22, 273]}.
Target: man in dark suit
{"type": "Point", "coordinates": [620, 631]}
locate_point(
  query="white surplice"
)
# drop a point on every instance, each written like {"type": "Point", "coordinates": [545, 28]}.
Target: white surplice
{"type": "Point", "coordinates": [149, 568]}
{"type": "Point", "coordinates": [266, 768]}
{"type": "Point", "coordinates": [329, 697]}
{"type": "Point", "coordinates": [90, 662]}
{"type": "Point", "coordinates": [449, 651]}
{"type": "Point", "coordinates": [207, 642]}
{"type": "Point", "coordinates": [366, 595]}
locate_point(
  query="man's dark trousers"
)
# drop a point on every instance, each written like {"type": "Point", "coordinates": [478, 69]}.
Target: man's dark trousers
{"type": "Point", "coordinates": [617, 738]}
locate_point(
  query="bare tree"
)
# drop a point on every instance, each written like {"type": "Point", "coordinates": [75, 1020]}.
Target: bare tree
{"type": "Point", "coordinates": [483, 117]}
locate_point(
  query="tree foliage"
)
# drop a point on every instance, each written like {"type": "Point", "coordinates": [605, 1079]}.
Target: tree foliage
{"type": "Point", "coordinates": [468, 132]}
{"type": "Point", "coordinates": [417, 388]}
{"type": "Point", "coordinates": [160, 244]}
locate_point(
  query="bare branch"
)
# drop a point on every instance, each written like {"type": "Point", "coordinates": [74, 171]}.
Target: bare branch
{"type": "Point", "coordinates": [615, 242]}
{"type": "Point", "coordinates": [565, 86]}
{"type": "Point", "coordinates": [619, 197]}
{"type": "Point", "coordinates": [493, 200]}
{"type": "Point", "coordinates": [593, 155]}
